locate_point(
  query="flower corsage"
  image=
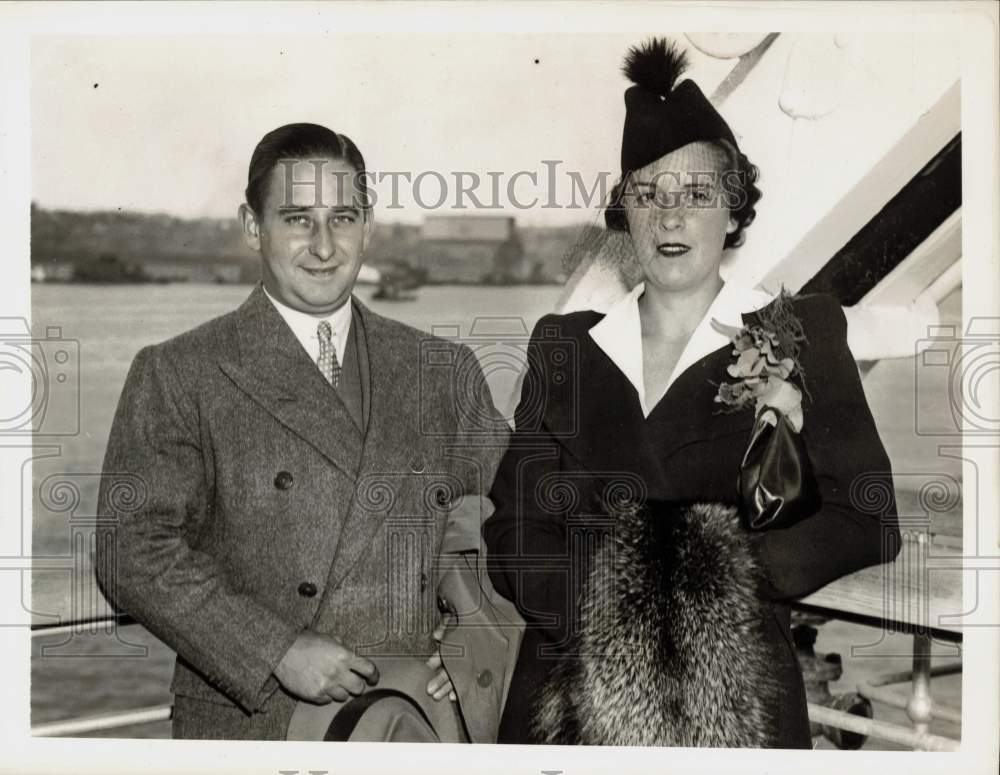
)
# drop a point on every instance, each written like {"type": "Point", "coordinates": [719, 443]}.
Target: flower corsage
{"type": "Point", "coordinates": [767, 359]}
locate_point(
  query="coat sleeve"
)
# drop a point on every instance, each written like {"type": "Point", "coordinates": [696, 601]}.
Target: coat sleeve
{"type": "Point", "coordinates": [155, 492]}
{"type": "Point", "coordinates": [856, 526]}
{"type": "Point", "coordinates": [527, 544]}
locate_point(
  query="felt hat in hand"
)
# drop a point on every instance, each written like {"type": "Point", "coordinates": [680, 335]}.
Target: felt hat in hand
{"type": "Point", "coordinates": [396, 710]}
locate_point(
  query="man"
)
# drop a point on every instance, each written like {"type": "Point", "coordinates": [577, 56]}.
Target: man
{"type": "Point", "coordinates": [280, 482]}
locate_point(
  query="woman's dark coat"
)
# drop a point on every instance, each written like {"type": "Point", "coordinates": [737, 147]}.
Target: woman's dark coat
{"type": "Point", "coordinates": [581, 441]}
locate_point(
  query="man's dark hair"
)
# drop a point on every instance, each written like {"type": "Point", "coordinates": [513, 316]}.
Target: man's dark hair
{"type": "Point", "coordinates": [740, 195]}
{"type": "Point", "coordinates": [299, 141]}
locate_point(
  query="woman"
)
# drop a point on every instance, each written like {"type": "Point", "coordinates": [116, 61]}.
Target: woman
{"type": "Point", "coordinates": [624, 408]}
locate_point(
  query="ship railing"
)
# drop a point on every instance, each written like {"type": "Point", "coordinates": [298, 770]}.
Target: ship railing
{"type": "Point", "coordinates": [896, 598]}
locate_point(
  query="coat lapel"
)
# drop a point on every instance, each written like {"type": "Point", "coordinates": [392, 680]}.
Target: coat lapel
{"type": "Point", "coordinates": [596, 416]}
{"type": "Point", "coordinates": [611, 433]}
{"type": "Point", "coordinates": [390, 438]}
{"type": "Point", "coordinates": [273, 369]}
{"type": "Point", "coordinates": [688, 412]}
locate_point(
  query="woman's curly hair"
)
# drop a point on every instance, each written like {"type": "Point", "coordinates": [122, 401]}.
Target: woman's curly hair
{"type": "Point", "coordinates": [740, 195]}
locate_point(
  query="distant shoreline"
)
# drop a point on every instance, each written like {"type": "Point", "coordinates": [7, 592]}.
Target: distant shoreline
{"type": "Point", "coordinates": [450, 283]}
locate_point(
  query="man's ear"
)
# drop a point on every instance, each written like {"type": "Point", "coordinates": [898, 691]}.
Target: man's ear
{"type": "Point", "coordinates": [732, 226]}
{"type": "Point", "coordinates": [251, 229]}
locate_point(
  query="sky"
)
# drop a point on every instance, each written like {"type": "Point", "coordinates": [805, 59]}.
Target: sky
{"type": "Point", "coordinates": [168, 123]}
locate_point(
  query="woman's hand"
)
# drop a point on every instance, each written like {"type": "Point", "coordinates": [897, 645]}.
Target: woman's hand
{"type": "Point", "coordinates": [785, 397]}
{"type": "Point", "coordinates": [440, 685]}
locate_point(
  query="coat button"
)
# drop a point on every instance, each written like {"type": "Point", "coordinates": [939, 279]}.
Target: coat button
{"type": "Point", "coordinates": [283, 481]}
{"type": "Point", "coordinates": [484, 679]}
{"type": "Point", "coordinates": [307, 589]}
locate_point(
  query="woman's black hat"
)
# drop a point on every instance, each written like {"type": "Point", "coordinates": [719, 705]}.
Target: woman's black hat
{"type": "Point", "coordinates": [660, 114]}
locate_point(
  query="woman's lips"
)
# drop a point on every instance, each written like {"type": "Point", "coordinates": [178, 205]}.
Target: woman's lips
{"type": "Point", "coordinates": [672, 248]}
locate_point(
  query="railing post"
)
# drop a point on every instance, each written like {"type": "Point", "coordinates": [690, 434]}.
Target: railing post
{"type": "Point", "coordinates": [920, 708]}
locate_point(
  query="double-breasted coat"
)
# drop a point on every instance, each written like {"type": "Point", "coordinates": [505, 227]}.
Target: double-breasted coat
{"type": "Point", "coordinates": [241, 503]}
{"type": "Point", "coordinates": [582, 441]}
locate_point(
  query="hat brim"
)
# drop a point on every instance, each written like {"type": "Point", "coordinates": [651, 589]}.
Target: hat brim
{"type": "Point", "coordinates": [390, 719]}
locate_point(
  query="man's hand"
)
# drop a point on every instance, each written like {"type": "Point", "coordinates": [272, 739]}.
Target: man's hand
{"type": "Point", "coordinates": [440, 685]}
{"type": "Point", "coordinates": [318, 668]}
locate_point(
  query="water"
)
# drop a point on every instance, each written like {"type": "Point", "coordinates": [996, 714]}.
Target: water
{"type": "Point", "coordinates": [99, 673]}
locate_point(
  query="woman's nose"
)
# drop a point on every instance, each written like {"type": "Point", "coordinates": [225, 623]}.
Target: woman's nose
{"type": "Point", "coordinates": [672, 218]}
{"type": "Point", "coordinates": [323, 245]}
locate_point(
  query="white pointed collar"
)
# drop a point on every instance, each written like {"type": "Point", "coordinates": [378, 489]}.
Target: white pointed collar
{"type": "Point", "coordinates": [304, 326]}
{"type": "Point", "coordinates": [619, 333]}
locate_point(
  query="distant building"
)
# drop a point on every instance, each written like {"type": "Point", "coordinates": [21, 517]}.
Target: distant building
{"type": "Point", "coordinates": [68, 246]}
{"type": "Point", "coordinates": [52, 272]}
{"type": "Point", "coordinates": [203, 271]}
{"type": "Point", "coordinates": [110, 268]}
{"type": "Point", "coordinates": [471, 249]}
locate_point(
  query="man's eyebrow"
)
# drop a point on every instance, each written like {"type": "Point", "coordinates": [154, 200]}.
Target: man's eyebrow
{"type": "Point", "coordinates": [653, 183]}
{"type": "Point", "coordinates": [306, 208]}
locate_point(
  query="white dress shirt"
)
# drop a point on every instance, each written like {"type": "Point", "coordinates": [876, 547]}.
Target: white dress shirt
{"type": "Point", "coordinates": [619, 333]}
{"type": "Point", "coordinates": [304, 327]}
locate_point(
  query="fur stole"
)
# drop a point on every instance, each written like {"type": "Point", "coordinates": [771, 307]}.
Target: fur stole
{"type": "Point", "coordinates": [668, 650]}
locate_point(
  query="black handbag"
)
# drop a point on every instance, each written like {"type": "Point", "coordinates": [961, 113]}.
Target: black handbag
{"type": "Point", "coordinates": [777, 487]}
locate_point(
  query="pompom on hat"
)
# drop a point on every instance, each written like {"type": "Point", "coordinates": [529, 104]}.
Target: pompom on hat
{"type": "Point", "coordinates": [662, 115]}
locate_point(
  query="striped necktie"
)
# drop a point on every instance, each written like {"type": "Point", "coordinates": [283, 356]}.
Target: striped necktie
{"type": "Point", "coordinates": [328, 364]}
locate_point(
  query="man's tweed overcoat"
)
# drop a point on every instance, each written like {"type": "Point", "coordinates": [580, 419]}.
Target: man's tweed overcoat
{"type": "Point", "coordinates": [240, 504]}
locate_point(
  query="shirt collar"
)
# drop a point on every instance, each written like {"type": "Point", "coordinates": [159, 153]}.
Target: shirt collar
{"type": "Point", "coordinates": [619, 333]}
{"type": "Point", "coordinates": [304, 326]}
